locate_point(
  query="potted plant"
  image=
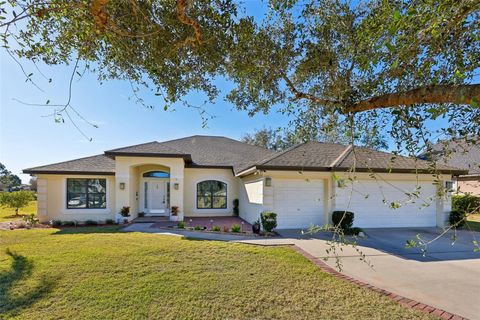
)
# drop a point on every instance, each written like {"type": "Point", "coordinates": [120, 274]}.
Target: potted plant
{"type": "Point", "coordinates": [123, 215]}
{"type": "Point", "coordinates": [174, 213]}
{"type": "Point", "coordinates": [256, 227]}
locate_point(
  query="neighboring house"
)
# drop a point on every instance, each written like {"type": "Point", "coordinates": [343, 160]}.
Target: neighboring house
{"type": "Point", "coordinates": [202, 175]}
{"type": "Point", "coordinates": [462, 155]}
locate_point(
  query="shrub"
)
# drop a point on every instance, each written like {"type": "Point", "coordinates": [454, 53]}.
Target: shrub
{"type": "Point", "coordinates": [467, 204]}
{"type": "Point", "coordinates": [343, 219]}
{"type": "Point", "coordinates": [56, 223]}
{"type": "Point", "coordinates": [181, 225]}
{"type": "Point", "coordinates": [216, 228]}
{"type": "Point", "coordinates": [235, 228]}
{"type": "Point", "coordinates": [236, 211]}
{"type": "Point", "coordinates": [197, 228]}
{"type": "Point", "coordinates": [91, 223]}
{"type": "Point", "coordinates": [125, 211]}
{"type": "Point", "coordinates": [456, 218]}
{"type": "Point", "coordinates": [269, 220]}
{"type": "Point", "coordinates": [16, 200]}
{"type": "Point", "coordinates": [69, 223]}
{"type": "Point", "coordinates": [109, 221]}
{"type": "Point", "coordinates": [30, 220]}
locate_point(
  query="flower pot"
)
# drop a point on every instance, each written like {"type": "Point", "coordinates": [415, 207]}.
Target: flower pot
{"type": "Point", "coordinates": [175, 218]}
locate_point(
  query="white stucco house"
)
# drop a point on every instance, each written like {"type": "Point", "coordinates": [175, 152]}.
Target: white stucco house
{"type": "Point", "coordinates": [202, 175]}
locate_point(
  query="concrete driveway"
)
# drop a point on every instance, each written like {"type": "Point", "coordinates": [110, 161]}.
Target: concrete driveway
{"type": "Point", "coordinates": [448, 277]}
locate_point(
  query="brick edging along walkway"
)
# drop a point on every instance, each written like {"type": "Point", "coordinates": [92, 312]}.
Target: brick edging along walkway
{"type": "Point", "coordinates": [409, 303]}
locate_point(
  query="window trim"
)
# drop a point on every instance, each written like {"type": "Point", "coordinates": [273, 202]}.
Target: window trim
{"type": "Point", "coordinates": [86, 194]}
{"type": "Point", "coordinates": [212, 196]}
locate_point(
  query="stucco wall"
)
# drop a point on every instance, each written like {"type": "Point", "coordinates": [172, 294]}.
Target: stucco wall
{"type": "Point", "coordinates": [196, 175]}
{"type": "Point", "coordinates": [251, 197]}
{"type": "Point", "coordinates": [469, 186]}
{"type": "Point", "coordinates": [52, 199]}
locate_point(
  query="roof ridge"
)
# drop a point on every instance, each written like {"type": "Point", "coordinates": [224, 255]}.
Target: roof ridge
{"type": "Point", "coordinates": [133, 145]}
{"type": "Point", "coordinates": [342, 156]}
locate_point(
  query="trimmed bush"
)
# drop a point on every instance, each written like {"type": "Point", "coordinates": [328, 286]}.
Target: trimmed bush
{"type": "Point", "coordinates": [236, 228]}
{"type": "Point", "coordinates": [467, 204]}
{"type": "Point", "coordinates": [197, 228]}
{"type": "Point", "coordinates": [181, 225]}
{"type": "Point", "coordinates": [216, 228]}
{"type": "Point", "coordinates": [456, 218]}
{"type": "Point", "coordinates": [269, 220]}
{"type": "Point", "coordinates": [56, 223]}
{"type": "Point", "coordinates": [109, 221]}
{"type": "Point", "coordinates": [343, 219]}
{"type": "Point", "coordinates": [68, 223]}
{"type": "Point", "coordinates": [91, 223]}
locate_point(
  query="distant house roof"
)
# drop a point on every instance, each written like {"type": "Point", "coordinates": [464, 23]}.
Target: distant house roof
{"type": "Point", "coordinates": [460, 154]}
{"type": "Point", "coordinates": [222, 152]}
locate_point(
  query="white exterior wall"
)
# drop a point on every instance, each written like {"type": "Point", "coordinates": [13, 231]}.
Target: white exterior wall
{"type": "Point", "coordinates": [251, 197]}
{"type": "Point", "coordinates": [370, 200]}
{"type": "Point", "coordinates": [196, 175]}
{"type": "Point", "coordinates": [52, 199]}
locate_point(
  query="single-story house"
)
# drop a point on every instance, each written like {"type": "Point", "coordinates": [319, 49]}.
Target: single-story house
{"type": "Point", "coordinates": [460, 154]}
{"type": "Point", "coordinates": [203, 175]}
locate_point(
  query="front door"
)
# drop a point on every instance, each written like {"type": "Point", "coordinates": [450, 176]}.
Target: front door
{"type": "Point", "coordinates": [155, 197]}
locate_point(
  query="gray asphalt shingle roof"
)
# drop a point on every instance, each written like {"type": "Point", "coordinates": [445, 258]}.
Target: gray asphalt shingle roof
{"type": "Point", "coordinates": [212, 151]}
{"type": "Point", "coordinates": [100, 164]}
{"type": "Point", "coordinates": [458, 154]}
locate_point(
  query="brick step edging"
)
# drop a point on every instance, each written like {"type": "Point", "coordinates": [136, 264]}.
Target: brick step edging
{"type": "Point", "coordinates": [409, 303]}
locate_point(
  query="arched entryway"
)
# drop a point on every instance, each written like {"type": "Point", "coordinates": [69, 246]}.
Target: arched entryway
{"type": "Point", "coordinates": [154, 198]}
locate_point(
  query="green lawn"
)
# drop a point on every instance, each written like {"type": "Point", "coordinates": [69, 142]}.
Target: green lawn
{"type": "Point", "coordinates": [95, 273]}
{"type": "Point", "coordinates": [8, 214]}
{"type": "Point", "coordinates": [473, 222]}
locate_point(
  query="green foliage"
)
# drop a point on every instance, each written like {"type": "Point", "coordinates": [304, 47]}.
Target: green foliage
{"type": "Point", "coordinates": [197, 228]}
{"type": "Point", "coordinates": [109, 221]}
{"type": "Point", "coordinates": [91, 223]}
{"type": "Point", "coordinates": [457, 218]}
{"type": "Point", "coordinates": [125, 211]}
{"type": "Point", "coordinates": [16, 200]}
{"type": "Point", "coordinates": [181, 225]}
{"type": "Point", "coordinates": [30, 219]}
{"type": "Point", "coordinates": [69, 224]}
{"type": "Point", "coordinates": [8, 179]}
{"type": "Point", "coordinates": [466, 203]}
{"type": "Point", "coordinates": [56, 223]}
{"type": "Point", "coordinates": [236, 228]}
{"type": "Point", "coordinates": [269, 220]}
{"type": "Point", "coordinates": [216, 228]}
{"type": "Point", "coordinates": [343, 219]}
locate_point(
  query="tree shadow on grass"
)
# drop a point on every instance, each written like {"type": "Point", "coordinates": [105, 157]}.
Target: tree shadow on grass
{"type": "Point", "coordinates": [84, 230]}
{"type": "Point", "coordinates": [21, 269]}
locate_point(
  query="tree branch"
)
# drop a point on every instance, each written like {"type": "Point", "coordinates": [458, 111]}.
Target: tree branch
{"type": "Point", "coordinates": [302, 95]}
{"type": "Point", "coordinates": [457, 94]}
{"type": "Point", "coordinates": [182, 16]}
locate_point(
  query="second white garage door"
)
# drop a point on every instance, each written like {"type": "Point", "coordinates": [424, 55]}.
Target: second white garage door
{"type": "Point", "coordinates": [371, 202]}
{"type": "Point", "coordinates": [298, 202]}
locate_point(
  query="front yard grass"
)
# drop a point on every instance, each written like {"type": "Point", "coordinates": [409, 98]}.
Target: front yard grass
{"type": "Point", "coordinates": [8, 214]}
{"type": "Point", "coordinates": [83, 274]}
{"type": "Point", "coordinates": [473, 222]}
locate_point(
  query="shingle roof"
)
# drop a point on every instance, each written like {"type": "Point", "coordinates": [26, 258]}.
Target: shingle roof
{"type": "Point", "coordinates": [367, 159]}
{"type": "Point", "coordinates": [308, 155]}
{"type": "Point", "coordinates": [458, 154]}
{"type": "Point", "coordinates": [99, 164]}
{"type": "Point", "coordinates": [222, 152]}
{"type": "Point", "coordinates": [153, 148]}
{"type": "Point", "coordinates": [219, 151]}
{"type": "Point", "coordinates": [317, 156]}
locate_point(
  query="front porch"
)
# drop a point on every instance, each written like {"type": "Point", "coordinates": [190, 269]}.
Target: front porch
{"type": "Point", "coordinates": [202, 222]}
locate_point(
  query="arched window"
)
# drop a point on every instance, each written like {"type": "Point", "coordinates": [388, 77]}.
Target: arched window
{"type": "Point", "coordinates": [156, 174]}
{"type": "Point", "coordinates": [211, 194]}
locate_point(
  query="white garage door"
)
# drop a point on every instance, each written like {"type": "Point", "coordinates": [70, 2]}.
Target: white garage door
{"type": "Point", "coordinates": [298, 202]}
{"type": "Point", "coordinates": [371, 202]}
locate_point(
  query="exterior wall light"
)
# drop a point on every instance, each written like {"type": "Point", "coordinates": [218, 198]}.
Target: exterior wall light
{"type": "Point", "coordinates": [268, 182]}
{"type": "Point", "coordinates": [176, 186]}
{"type": "Point", "coordinates": [122, 186]}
